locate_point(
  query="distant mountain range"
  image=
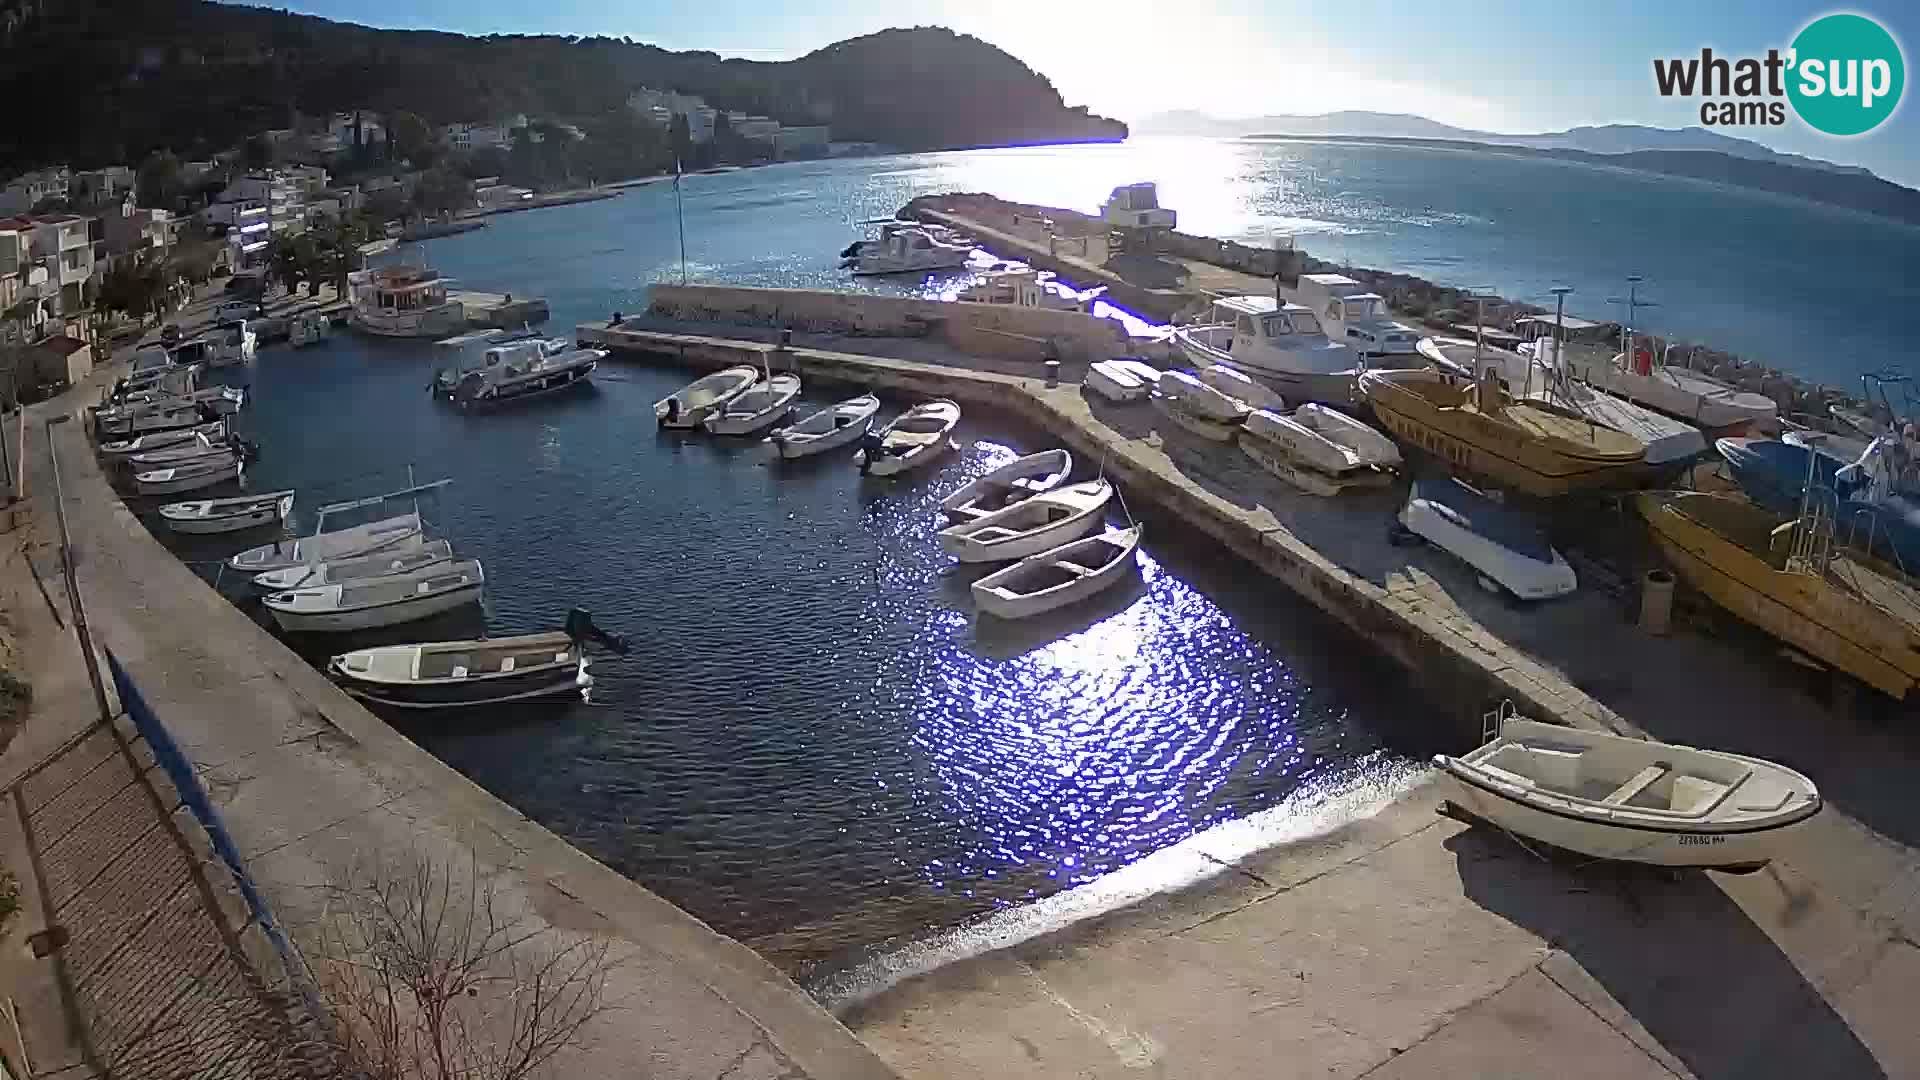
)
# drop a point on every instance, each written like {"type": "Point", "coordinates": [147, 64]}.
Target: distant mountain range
{"type": "Point", "coordinates": [1604, 139]}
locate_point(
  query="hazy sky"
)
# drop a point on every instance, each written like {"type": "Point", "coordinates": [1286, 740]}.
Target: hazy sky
{"type": "Point", "coordinates": [1503, 65]}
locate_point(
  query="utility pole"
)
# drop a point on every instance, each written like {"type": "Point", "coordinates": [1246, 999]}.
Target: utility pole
{"type": "Point", "coordinates": [1634, 304]}
{"type": "Point", "coordinates": [1560, 323]}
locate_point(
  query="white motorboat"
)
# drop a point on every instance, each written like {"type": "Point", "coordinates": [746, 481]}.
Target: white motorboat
{"type": "Point", "coordinates": [1176, 410]}
{"type": "Point", "coordinates": [1121, 380]}
{"type": "Point", "coordinates": [1688, 395]}
{"type": "Point", "coordinates": [1236, 385]}
{"type": "Point", "coordinates": [1029, 288]}
{"type": "Point", "coordinates": [1201, 399]}
{"type": "Point", "coordinates": [228, 515]}
{"type": "Point", "coordinates": [913, 438]}
{"type": "Point", "coordinates": [1505, 547]}
{"type": "Point", "coordinates": [375, 602]}
{"type": "Point", "coordinates": [833, 427]}
{"type": "Point", "coordinates": [406, 557]}
{"type": "Point", "coordinates": [540, 371]}
{"type": "Point", "coordinates": [233, 344]}
{"type": "Point", "coordinates": [1021, 478]}
{"type": "Point", "coordinates": [487, 671]}
{"type": "Point", "coordinates": [911, 250]}
{"type": "Point", "coordinates": [193, 476]}
{"type": "Point", "coordinates": [323, 546]}
{"type": "Point", "coordinates": [1633, 800]}
{"type": "Point", "coordinates": [161, 440]}
{"type": "Point", "coordinates": [766, 403]}
{"type": "Point", "coordinates": [308, 328]}
{"type": "Point", "coordinates": [1053, 579]}
{"type": "Point", "coordinates": [701, 398]}
{"type": "Point", "coordinates": [1282, 344]}
{"type": "Point", "coordinates": [1668, 441]}
{"type": "Point", "coordinates": [1030, 526]}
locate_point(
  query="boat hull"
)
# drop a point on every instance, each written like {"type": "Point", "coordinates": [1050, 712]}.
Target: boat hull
{"type": "Point", "coordinates": [1113, 384]}
{"type": "Point", "coordinates": [833, 440]}
{"type": "Point", "coordinates": [228, 523]}
{"type": "Point", "coordinates": [1211, 430]}
{"type": "Point", "coordinates": [436, 323]}
{"type": "Point", "coordinates": [895, 464]}
{"type": "Point", "coordinates": [524, 390]}
{"type": "Point", "coordinates": [552, 680]}
{"type": "Point", "coordinates": [194, 479]}
{"type": "Point", "coordinates": [284, 555]}
{"type": "Point", "coordinates": [1525, 577]}
{"type": "Point", "coordinates": [409, 610]}
{"type": "Point", "coordinates": [1276, 459]}
{"type": "Point", "coordinates": [1002, 604]}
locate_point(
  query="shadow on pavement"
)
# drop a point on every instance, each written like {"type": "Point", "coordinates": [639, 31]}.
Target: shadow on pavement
{"type": "Point", "coordinates": [1676, 953]}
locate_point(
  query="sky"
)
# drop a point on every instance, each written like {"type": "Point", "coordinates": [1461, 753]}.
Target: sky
{"type": "Point", "coordinates": [1498, 65]}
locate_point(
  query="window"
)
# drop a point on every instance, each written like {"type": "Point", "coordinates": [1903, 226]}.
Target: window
{"type": "Point", "coordinates": [1305, 323]}
{"type": "Point", "coordinates": [1244, 326]}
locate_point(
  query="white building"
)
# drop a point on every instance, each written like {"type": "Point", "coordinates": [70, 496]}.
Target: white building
{"type": "Point", "coordinates": [753, 127]}
{"type": "Point", "coordinates": [23, 279]}
{"type": "Point", "coordinates": [340, 129]}
{"type": "Point", "coordinates": [471, 137]}
{"type": "Point", "coordinates": [59, 245]}
{"type": "Point", "coordinates": [281, 192]}
{"type": "Point", "coordinates": [27, 191]}
{"type": "Point", "coordinates": [102, 187]}
{"type": "Point", "coordinates": [810, 140]}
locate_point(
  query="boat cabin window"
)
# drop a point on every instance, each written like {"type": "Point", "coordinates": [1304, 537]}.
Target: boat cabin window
{"type": "Point", "coordinates": [1243, 326]}
{"type": "Point", "coordinates": [1276, 326]}
{"type": "Point", "coordinates": [921, 243]}
{"type": "Point", "coordinates": [1303, 322]}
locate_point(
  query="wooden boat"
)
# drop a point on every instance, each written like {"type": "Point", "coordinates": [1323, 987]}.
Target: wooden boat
{"type": "Point", "coordinates": [701, 398]}
{"type": "Point", "coordinates": [1176, 410]}
{"type": "Point", "coordinates": [913, 438]}
{"type": "Point", "coordinates": [1029, 527]}
{"type": "Point", "coordinates": [488, 671]}
{"type": "Point", "coordinates": [1120, 381]}
{"type": "Point", "coordinates": [1240, 387]}
{"type": "Point", "coordinates": [375, 602]}
{"type": "Point", "coordinates": [1018, 479]}
{"type": "Point", "coordinates": [1532, 447]}
{"type": "Point", "coordinates": [160, 440]}
{"type": "Point", "coordinates": [1783, 576]}
{"type": "Point", "coordinates": [228, 515]}
{"type": "Point", "coordinates": [1634, 800]}
{"type": "Point", "coordinates": [403, 558]}
{"type": "Point", "coordinates": [1503, 545]}
{"type": "Point", "coordinates": [323, 546]}
{"type": "Point", "coordinates": [191, 476]}
{"type": "Point", "coordinates": [1058, 577]}
{"type": "Point", "coordinates": [835, 426]}
{"type": "Point", "coordinates": [1202, 400]}
{"type": "Point", "coordinates": [765, 404]}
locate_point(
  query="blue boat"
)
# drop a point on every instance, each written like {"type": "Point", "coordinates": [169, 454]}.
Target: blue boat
{"type": "Point", "coordinates": [1774, 475]}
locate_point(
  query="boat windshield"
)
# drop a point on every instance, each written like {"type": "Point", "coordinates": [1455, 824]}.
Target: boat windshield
{"type": "Point", "coordinates": [1293, 322]}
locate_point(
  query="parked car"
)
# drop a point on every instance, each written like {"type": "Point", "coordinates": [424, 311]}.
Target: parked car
{"type": "Point", "coordinates": [170, 335]}
{"type": "Point", "coordinates": [233, 311]}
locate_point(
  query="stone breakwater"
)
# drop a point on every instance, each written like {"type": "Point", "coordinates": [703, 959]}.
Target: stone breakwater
{"type": "Point", "coordinates": [1440, 307]}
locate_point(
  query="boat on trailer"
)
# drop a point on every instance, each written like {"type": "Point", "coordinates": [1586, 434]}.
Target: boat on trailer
{"type": "Point", "coordinates": [485, 671]}
{"type": "Point", "coordinates": [1031, 526]}
{"type": "Point", "coordinates": [228, 515]}
{"type": "Point", "coordinates": [1060, 576]}
{"type": "Point", "coordinates": [372, 603]}
{"type": "Point", "coordinates": [1630, 800]}
{"type": "Point", "coordinates": [1021, 478]}
{"type": "Point", "coordinates": [835, 426]}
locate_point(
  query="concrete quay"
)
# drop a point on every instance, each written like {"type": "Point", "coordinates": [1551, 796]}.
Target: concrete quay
{"type": "Point", "coordinates": [312, 787]}
{"type": "Point", "coordinates": [1407, 945]}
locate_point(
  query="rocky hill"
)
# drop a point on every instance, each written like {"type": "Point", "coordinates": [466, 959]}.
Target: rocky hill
{"type": "Point", "coordinates": [95, 81]}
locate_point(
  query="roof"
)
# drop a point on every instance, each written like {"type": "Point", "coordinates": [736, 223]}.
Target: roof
{"type": "Point", "coordinates": [63, 345]}
{"type": "Point", "coordinates": [1248, 305]}
{"type": "Point", "coordinates": [1566, 321]}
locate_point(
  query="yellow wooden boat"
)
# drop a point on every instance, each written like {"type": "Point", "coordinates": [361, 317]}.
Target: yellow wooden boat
{"type": "Point", "coordinates": [1529, 446]}
{"type": "Point", "coordinates": [1783, 576]}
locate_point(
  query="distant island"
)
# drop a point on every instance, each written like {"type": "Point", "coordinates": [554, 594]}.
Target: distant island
{"type": "Point", "coordinates": [113, 79]}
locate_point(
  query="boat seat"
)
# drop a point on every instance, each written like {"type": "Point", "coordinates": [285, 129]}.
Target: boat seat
{"type": "Point", "coordinates": [1073, 568]}
{"type": "Point", "coordinates": [1640, 782]}
{"type": "Point", "coordinates": [1026, 483]}
{"type": "Point", "coordinates": [1694, 794]}
{"type": "Point", "coordinates": [993, 532]}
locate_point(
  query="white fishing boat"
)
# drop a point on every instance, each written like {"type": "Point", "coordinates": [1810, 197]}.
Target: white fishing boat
{"type": "Point", "coordinates": [181, 453]}
{"type": "Point", "coordinates": [325, 544]}
{"type": "Point", "coordinates": [1688, 395]}
{"type": "Point", "coordinates": [1201, 399]}
{"type": "Point", "coordinates": [1238, 386]}
{"type": "Point", "coordinates": [911, 250]}
{"type": "Point", "coordinates": [1018, 479]}
{"type": "Point", "coordinates": [689, 406]}
{"type": "Point", "coordinates": [913, 438]}
{"type": "Point", "coordinates": [1282, 344]}
{"type": "Point", "coordinates": [1176, 410]}
{"type": "Point", "coordinates": [487, 671]}
{"type": "Point", "coordinates": [833, 427]}
{"type": "Point", "coordinates": [193, 476]}
{"type": "Point", "coordinates": [1030, 526]}
{"type": "Point", "coordinates": [542, 371]}
{"type": "Point", "coordinates": [1053, 579]}
{"type": "Point", "coordinates": [228, 515]}
{"type": "Point", "coordinates": [375, 602]}
{"type": "Point", "coordinates": [1633, 800]}
{"type": "Point", "coordinates": [308, 328]}
{"type": "Point", "coordinates": [766, 403]}
{"type": "Point", "coordinates": [1122, 380]}
{"type": "Point", "coordinates": [409, 556]}
{"type": "Point", "coordinates": [161, 440]}
{"type": "Point", "coordinates": [1505, 547]}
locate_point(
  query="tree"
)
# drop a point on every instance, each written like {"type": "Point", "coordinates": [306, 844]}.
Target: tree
{"type": "Point", "coordinates": [258, 153]}
{"type": "Point", "coordinates": [157, 182]}
{"type": "Point", "coordinates": [413, 138]}
{"type": "Point", "coordinates": [137, 285]}
{"type": "Point", "coordinates": [442, 191]}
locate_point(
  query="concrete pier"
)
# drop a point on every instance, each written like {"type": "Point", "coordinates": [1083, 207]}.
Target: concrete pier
{"type": "Point", "coordinates": [502, 311]}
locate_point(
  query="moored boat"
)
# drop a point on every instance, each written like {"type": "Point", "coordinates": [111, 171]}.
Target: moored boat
{"type": "Point", "coordinates": [835, 426]}
{"type": "Point", "coordinates": [191, 476]}
{"type": "Point", "coordinates": [160, 440]}
{"type": "Point", "coordinates": [1021, 478]}
{"type": "Point", "coordinates": [690, 405]}
{"type": "Point", "coordinates": [370, 603]}
{"type": "Point", "coordinates": [1503, 545]}
{"type": "Point", "coordinates": [1031, 526]}
{"type": "Point", "coordinates": [909, 249]}
{"type": "Point", "coordinates": [322, 546]}
{"type": "Point", "coordinates": [1634, 800]}
{"type": "Point", "coordinates": [310, 327]}
{"type": "Point", "coordinates": [486, 671]}
{"type": "Point", "coordinates": [764, 404]}
{"type": "Point", "coordinates": [228, 515]}
{"type": "Point", "coordinates": [403, 558]}
{"type": "Point", "coordinates": [1059, 576]}
{"type": "Point", "coordinates": [913, 438]}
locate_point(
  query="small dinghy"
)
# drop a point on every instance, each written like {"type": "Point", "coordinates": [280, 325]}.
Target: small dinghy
{"type": "Point", "coordinates": [1362, 442]}
{"type": "Point", "coordinates": [1302, 443]}
{"type": "Point", "coordinates": [1505, 546]}
{"type": "Point", "coordinates": [1241, 387]}
{"type": "Point", "coordinates": [1201, 399]}
{"type": "Point", "coordinates": [829, 429]}
{"type": "Point", "coordinates": [488, 671]}
{"type": "Point", "coordinates": [228, 515]}
{"type": "Point", "coordinates": [1121, 380]}
{"type": "Point", "coordinates": [186, 453]}
{"type": "Point", "coordinates": [1030, 527]}
{"type": "Point", "coordinates": [1018, 479]}
{"type": "Point", "coordinates": [1056, 578]}
{"type": "Point", "coordinates": [689, 406]}
{"type": "Point", "coordinates": [913, 438]}
{"type": "Point", "coordinates": [403, 558]}
{"type": "Point", "coordinates": [765, 404]}
{"type": "Point", "coordinates": [375, 602]}
{"type": "Point", "coordinates": [1633, 800]}
{"type": "Point", "coordinates": [320, 547]}
{"type": "Point", "coordinates": [192, 476]}
{"type": "Point", "coordinates": [161, 440]}
{"type": "Point", "coordinates": [1176, 410]}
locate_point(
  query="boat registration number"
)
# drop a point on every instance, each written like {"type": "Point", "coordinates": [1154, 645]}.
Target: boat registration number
{"type": "Point", "coordinates": [1701, 841]}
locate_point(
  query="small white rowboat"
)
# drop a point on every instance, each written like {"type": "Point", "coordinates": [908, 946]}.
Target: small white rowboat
{"type": "Point", "coordinates": [767, 403]}
{"type": "Point", "coordinates": [228, 515]}
{"type": "Point", "coordinates": [1176, 410]}
{"type": "Point", "coordinates": [399, 559]}
{"type": "Point", "coordinates": [338, 544]}
{"type": "Point", "coordinates": [377, 602]}
{"type": "Point", "coordinates": [200, 473]}
{"type": "Point", "coordinates": [1038, 524]}
{"type": "Point", "coordinates": [1018, 479]}
{"type": "Point", "coordinates": [1202, 400]}
{"type": "Point", "coordinates": [1614, 797]}
{"type": "Point", "coordinates": [829, 429]}
{"type": "Point", "coordinates": [915, 437]}
{"type": "Point", "coordinates": [701, 398]}
{"type": "Point", "coordinates": [1238, 385]}
{"type": "Point", "coordinates": [1056, 578]}
{"type": "Point", "coordinates": [160, 440]}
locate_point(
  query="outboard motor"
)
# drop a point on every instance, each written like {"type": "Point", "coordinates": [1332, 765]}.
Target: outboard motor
{"type": "Point", "coordinates": [581, 629]}
{"type": "Point", "coordinates": [870, 444]}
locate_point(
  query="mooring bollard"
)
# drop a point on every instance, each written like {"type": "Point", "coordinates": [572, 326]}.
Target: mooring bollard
{"type": "Point", "coordinates": [1656, 602]}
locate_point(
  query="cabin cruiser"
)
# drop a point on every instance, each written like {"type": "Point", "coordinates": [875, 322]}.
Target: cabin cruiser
{"type": "Point", "coordinates": [1357, 317]}
{"type": "Point", "coordinates": [488, 350]}
{"type": "Point", "coordinates": [403, 301]}
{"type": "Point", "coordinates": [909, 250]}
{"type": "Point", "coordinates": [1281, 344]}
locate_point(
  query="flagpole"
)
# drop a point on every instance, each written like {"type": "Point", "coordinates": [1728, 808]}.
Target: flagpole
{"type": "Point", "coordinates": [680, 215]}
